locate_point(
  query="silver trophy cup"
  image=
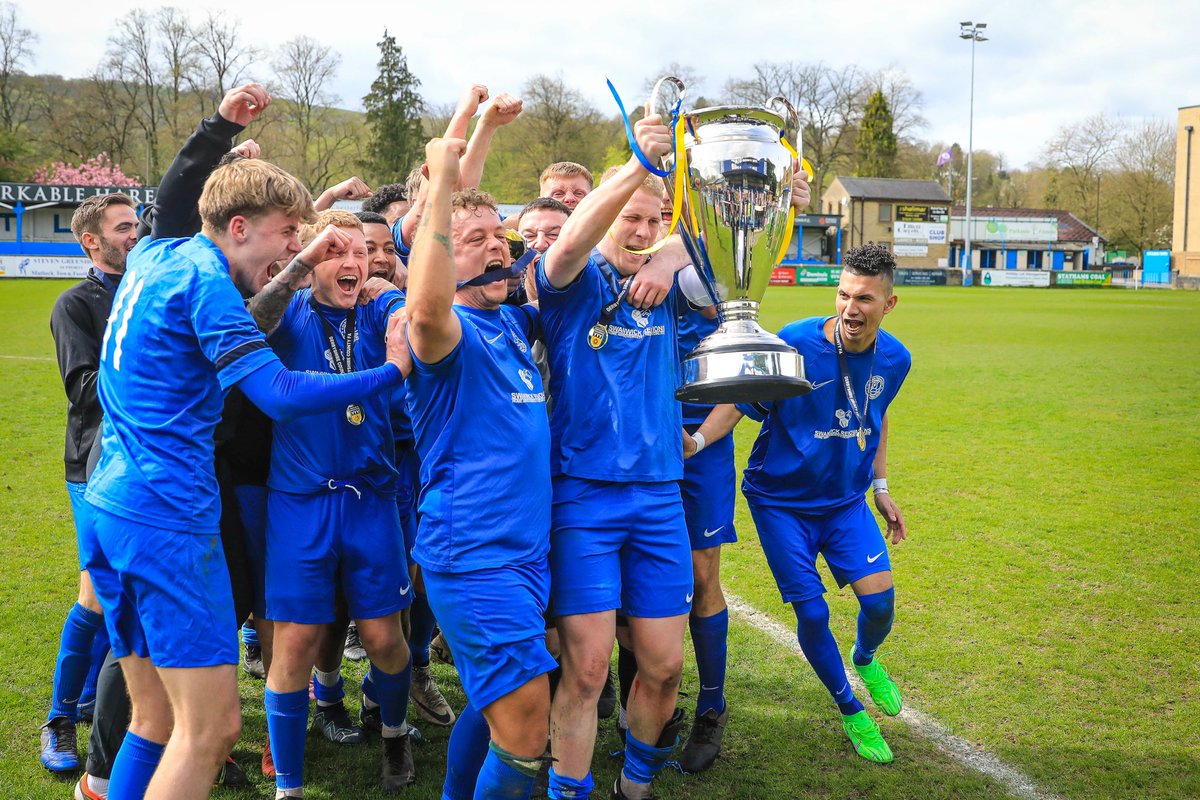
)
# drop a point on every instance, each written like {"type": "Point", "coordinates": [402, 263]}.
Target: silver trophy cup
{"type": "Point", "coordinates": [737, 190]}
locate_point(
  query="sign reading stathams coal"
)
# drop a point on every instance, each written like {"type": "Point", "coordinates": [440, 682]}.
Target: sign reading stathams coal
{"type": "Point", "coordinates": [38, 193]}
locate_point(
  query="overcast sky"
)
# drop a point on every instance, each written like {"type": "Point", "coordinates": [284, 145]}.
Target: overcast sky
{"type": "Point", "coordinates": [1047, 64]}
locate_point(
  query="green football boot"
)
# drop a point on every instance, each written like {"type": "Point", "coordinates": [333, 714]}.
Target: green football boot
{"type": "Point", "coordinates": [865, 736]}
{"type": "Point", "coordinates": [883, 689]}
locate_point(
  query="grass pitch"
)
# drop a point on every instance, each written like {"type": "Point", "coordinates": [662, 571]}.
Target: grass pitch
{"type": "Point", "coordinates": [1046, 452]}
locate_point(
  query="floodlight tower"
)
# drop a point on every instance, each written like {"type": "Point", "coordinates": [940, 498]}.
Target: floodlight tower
{"type": "Point", "coordinates": [974, 32]}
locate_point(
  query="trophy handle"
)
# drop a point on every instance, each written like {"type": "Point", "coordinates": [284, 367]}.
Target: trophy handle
{"type": "Point", "coordinates": [785, 109]}
{"type": "Point", "coordinates": [663, 106]}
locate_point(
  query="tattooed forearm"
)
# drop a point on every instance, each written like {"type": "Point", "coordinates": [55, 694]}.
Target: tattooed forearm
{"type": "Point", "coordinates": [444, 241]}
{"type": "Point", "coordinates": [267, 306]}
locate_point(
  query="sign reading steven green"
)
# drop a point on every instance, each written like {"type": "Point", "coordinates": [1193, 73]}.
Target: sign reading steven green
{"type": "Point", "coordinates": [1082, 278]}
{"type": "Point", "coordinates": [818, 276]}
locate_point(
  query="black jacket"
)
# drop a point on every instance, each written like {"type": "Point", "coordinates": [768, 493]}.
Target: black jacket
{"type": "Point", "coordinates": [175, 212]}
{"type": "Point", "coordinates": [77, 323]}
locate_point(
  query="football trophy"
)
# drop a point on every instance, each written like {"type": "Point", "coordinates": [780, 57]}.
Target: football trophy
{"type": "Point", "coordinates": [737, 166]}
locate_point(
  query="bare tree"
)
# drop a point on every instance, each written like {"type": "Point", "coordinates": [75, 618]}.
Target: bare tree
{"type": "Point", "coordinates": [559, 122]}
{"type": "Point", "coordinates": [1080, 153]}
{"type": "Point", "coordinates": [1141, 198]}
{"type": "Point", "coordinates": [829, 101]}
{"type": "Point", "coordinates": [175, 42]}
{"type": "Point", "coordinates": [315, 138]}
{"type": "Point", "coordinates": [904, 99]}
{"type": "Point", "coordinates": [223, 55]}
{"type": "Point", "coordinates": [16, 53]}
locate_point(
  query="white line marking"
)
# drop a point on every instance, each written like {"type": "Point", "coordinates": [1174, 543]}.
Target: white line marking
{"type": "Point", "coordinates": [28, 358]}
{"type": "Point", "coordinates": [973, 756]}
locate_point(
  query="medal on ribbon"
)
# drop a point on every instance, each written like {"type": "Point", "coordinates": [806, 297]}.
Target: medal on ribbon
{"type": "Point", "coordinates": [598, 336]}
{"type": "Point", "coordinates": [355, 414]}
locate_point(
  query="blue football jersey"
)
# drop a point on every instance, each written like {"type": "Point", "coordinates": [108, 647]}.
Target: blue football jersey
{"type": "Point", "coordinates": [806, 456]}
{"type": "Point", "coordinates": [355, 442]}
{"type": "Point", "coordinates": [479, 416]}
{"type": "Point", "coordinates": [693, 327]}
{"type": "Point", "coordinates": [179, 336]}
{"type": "Point", "coordinates": [615, 415]}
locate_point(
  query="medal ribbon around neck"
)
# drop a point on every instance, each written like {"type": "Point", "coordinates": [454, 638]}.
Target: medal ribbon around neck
{"type": "Point", "coordinates": [343, 360]}
{"type": "Point", "coordinates": [598, 333]}
{"type": "Point", "coordinates": [848, 386]}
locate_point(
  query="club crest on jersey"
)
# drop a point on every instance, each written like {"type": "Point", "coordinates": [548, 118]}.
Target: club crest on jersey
{"type": "Point", "coordinates": [598, 336]}
{"type": "Point", "coordinates": [355, 414]}
{"type": "Point", "coordinates": [641, 316]}
{"type": "Point", "coordinates": [526, 377]}
{"type": "Point", "coordinates": [875, 387]}
{"type": "Point", "coordinates": [843, 417]}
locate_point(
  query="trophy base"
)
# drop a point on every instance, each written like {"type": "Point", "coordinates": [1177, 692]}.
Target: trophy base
{"type": "Point", "coordinates": [719, 372]}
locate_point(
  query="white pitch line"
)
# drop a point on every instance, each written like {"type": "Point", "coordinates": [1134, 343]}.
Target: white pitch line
{"type": "Point", "coordinates": [973, 756]}
{"type": "Point", "coordinates": [28, 358]}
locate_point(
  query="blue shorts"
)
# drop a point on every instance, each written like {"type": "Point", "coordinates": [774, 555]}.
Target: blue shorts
{"type": "Point", "coordinates": [493, 620]}
{"type": "Point", "coordinates": [849, 539]}
{"type": "Point", "coordinates": [317, 543]}
{"type": "Point", "coordinates": [408, 484]}
{"type": "Point", "coordinates": [619, 546]}
{"type": "Point", "coordinates": [80, 512]}
{"type": "Point", "coordinates": [166, 595]}
{"type": "Point", "coordinates": [708, 489]}
{"type": "Point", "coordinates": [252, 510]}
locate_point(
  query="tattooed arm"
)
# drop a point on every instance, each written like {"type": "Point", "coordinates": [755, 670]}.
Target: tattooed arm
{"type": "Point", "coordinates": [268, 305]}
{"type": "Point", "coordinates": [433, 328]}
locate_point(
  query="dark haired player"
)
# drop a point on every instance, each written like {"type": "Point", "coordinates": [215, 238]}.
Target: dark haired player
{"type": "Point", "coordinates": [391, 201]}
{"type": "Point", "coordinates": [809, 468]}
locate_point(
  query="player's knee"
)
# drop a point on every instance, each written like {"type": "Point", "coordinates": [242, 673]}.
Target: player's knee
{"type": "Point", "coordinates": [812, 615]}
{"type": "Point", "coordinates": [585, 675]}
{"type": "Point", "coordinates": [661, 674]}
{"type": "Point", "coordinates": [880, 607]}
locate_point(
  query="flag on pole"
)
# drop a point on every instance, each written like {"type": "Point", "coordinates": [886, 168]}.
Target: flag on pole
{"type": "Point", "coordinates": [944, 158]}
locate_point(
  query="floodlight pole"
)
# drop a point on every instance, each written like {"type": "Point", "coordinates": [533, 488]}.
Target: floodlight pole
{"type": "Point", "coordinates": [974, 32]}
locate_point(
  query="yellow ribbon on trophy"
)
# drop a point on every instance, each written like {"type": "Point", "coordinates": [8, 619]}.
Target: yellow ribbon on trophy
{"type": "Point", "coordinates": [680, 168]}
{"type": "Point", "coordinates": [791, 217]}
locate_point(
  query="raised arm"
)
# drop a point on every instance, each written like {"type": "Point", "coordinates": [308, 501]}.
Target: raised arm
{"type": "Point", "coordinates": [174, 212]}
{"type": "Point", "coordinates": [433, 328]}
{"type": "Point", "coordinates": [354, 188]}
{"type": "Point", "coordinates": [472, 97]}
{"type": "Point", "coordinates": [503, 110]}
{"type": "Point", "coordinates": [596, 213]}
{"type": "Point", "coordinates": [268, 305]}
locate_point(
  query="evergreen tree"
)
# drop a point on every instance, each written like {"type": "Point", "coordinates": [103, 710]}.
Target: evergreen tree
{"type": "Point", "coordinates": [877, 140]}
{"type": "Point", "coordinates": [394, 115]}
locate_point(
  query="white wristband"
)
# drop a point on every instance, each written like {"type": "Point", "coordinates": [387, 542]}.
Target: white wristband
{"type": "Point", "coordinates": [879, 486]}
{"type": "Point", "coordinates": [698, 438]}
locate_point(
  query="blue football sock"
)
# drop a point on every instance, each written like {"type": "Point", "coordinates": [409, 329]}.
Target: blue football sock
{"type": "Point", "coordinates": [643, 761]}
{"type": "Point", "coordinates": [875, 615]}
{"type": "Point", "coordinates": [74, 660]}
{"type": "Point", "coordinates": [133, 767]}
{"type": "Point", "coordinates": [99, 651]}
{"type": "Point", "coordinates": [816, 640]}
{"type": "Point", "coordinates": [250, 636]}
{"type": "Point", "coordinates": [465, 754]}
{"type": "Point", "coordinates": [328, 694]}
{"type": "Point", "coordinates": [710, 638]}
{"type": "Point", "coordinates": [500, 780]}
{"type": "Point", "coordinates": [368, 690]}
{"type": "Point", "coordinates": [392, 689]}
{"type": "Point", "coordinates": [287, 724]}
{"type": "Point", "coordinates": [421, 632]}
{"type": "Point", "coordinates": [564, 788]}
